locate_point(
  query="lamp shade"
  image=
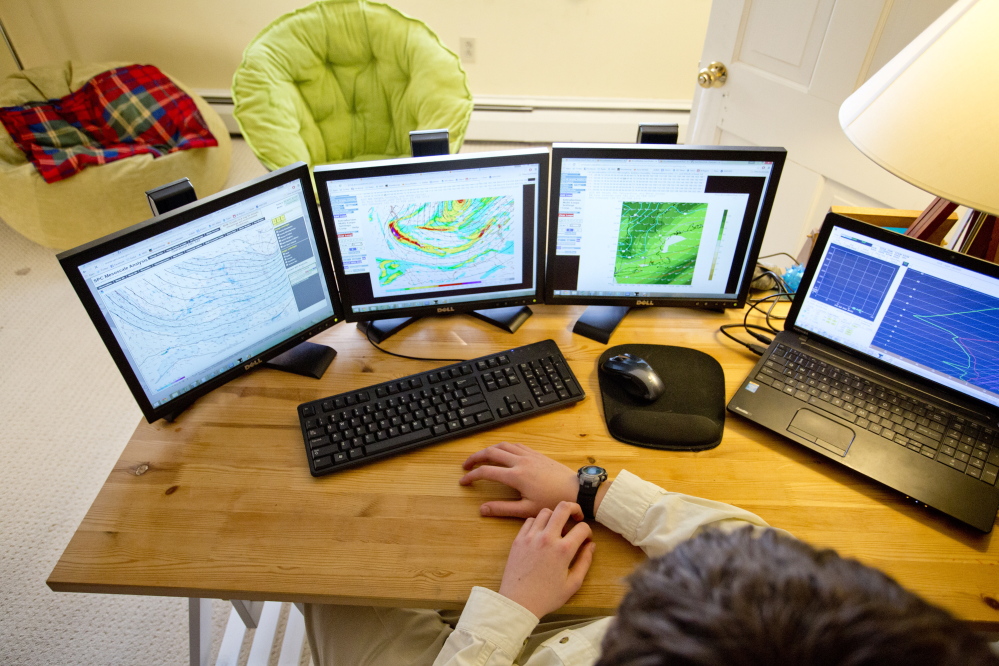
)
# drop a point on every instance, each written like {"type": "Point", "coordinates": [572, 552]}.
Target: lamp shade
{"type": "Point", "coordinates": [931, 115]}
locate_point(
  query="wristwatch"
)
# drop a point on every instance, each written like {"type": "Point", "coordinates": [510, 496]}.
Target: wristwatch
{"type": "Point", "coordinates": [590, 477]}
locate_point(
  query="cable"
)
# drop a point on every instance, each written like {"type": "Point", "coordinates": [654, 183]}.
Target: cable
{"type": "Point", "coordinates": [779, 254]}
{"type": "Point", "coordinates": [754, 330]}
{"type": "Point", "coordinates": [367, 334]}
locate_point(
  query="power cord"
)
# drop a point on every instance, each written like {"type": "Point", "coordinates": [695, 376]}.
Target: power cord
{"type": "Point", "coordinates": [367, 335]}
{"type": "Point", "coordinates": [761, 333]}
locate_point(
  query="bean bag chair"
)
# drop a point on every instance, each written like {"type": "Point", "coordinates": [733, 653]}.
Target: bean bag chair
{"type": "Point", "coordinates": [102, 198]}
{"type": "Point", "coordinates": [346, 80]}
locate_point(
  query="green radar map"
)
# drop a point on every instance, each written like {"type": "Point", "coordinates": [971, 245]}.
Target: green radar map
{"type": "Point", "coordinates": [658, 242]}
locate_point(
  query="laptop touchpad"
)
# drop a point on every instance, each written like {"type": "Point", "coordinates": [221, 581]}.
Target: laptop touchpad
{"type": "Point", "coordinates": [823, 431]}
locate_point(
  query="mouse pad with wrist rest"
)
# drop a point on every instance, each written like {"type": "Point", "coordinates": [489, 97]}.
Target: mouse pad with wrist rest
{"type": "Point", "coordinates": [689, 416]}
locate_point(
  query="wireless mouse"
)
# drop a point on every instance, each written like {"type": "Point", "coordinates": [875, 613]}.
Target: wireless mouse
{"type": "Point", "coordinates": [635, 376]}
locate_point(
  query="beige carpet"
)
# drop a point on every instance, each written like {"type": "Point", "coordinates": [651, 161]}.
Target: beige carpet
{"type": "Point", "coordinates": [65, 416]}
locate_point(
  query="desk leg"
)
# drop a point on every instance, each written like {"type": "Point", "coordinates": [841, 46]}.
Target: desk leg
{"type": "Point", "coordinates": [249, 611]}
{"type": "Point", "coordinates": [265, 636]}
{"type": "Point", "coordinates": [200, 625]}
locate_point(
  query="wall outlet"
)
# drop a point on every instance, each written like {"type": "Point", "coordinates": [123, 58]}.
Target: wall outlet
{"type": "Point", "coordinates": [466, 49]}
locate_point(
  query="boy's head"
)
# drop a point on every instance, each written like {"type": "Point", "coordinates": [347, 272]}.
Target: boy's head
{"type": "Point", "coordinates": [736, 599]}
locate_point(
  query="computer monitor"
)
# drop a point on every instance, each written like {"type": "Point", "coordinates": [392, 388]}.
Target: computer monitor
{"type": "Point", "coordinates": [655, 225]}
{"type": "Point", "coordinates": [190, 299]}
{"type": "Point", "coordinates": [437, 235]}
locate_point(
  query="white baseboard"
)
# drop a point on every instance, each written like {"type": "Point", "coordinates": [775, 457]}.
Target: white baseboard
{"type": "Point", "coordinates": [541, 120]}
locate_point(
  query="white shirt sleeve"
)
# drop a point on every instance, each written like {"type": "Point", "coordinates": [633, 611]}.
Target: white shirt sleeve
{"type": "Point", "coordinates": [491, 632]}
{"type": "Point", "coordinates": [657, 520]}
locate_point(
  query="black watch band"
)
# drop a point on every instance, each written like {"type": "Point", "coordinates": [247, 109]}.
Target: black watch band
{"type": "Point", "coordinates": [585, 499]}
{"type": "Point", "coordinates": [590, 477]}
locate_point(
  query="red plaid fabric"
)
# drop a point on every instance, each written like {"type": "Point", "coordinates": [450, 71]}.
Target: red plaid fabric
{"type": "Point", "coordinates": [117, 114]}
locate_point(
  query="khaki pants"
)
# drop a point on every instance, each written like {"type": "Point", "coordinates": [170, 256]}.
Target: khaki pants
{"type": "Point", "coordinates": [361, 635]}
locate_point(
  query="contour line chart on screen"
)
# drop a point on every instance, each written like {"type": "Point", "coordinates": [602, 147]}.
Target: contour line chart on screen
{"type": "Point", "coordinates": [658, 242]}
{"type": "Point", "coordinates": [447, 243]}
{"type": "Point", "coordinates": [945, 326]}
{"type": "Point", "coordinates": [196, 311]}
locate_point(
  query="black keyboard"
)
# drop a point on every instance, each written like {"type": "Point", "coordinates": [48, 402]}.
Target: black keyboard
{"type": "Point", "coordinates": [930, 430]}
{"type": "Point", "coordinates": [356, 427]}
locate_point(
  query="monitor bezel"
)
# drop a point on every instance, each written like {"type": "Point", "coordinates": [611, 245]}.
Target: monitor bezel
{"type": "Point", "coordinates": [562, 151]}
{"type": "Point", "coordinates": [478, 160]}
{"type": "Point", "coordinates": [71, 260]}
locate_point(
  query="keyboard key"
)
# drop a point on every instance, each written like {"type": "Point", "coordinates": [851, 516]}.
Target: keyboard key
{"type": "Point", "coordinates": [922, 439]}
{"type": "Point", "coordinates": [838, 411]}
{"type": "Point", "coordinates": [422, 409]}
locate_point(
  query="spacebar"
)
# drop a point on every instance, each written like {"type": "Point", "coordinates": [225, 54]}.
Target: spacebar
{"type": "Point", "coordinates": [833, 409]}
{"type": "Point", "coordinates": [396, 442]}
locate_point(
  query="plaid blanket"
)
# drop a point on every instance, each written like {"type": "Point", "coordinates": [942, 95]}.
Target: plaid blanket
{"type": "Point", "coordinates": [117, 114]}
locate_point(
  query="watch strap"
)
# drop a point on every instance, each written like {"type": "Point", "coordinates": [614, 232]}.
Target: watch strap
{"type": "Point", "coordinates": [585, 498]}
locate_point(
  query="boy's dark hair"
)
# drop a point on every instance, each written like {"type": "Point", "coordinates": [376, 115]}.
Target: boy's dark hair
{"type": "Point", "coordinates": [736, 599]}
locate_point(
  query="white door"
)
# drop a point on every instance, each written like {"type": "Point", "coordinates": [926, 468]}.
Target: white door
{"type": "Point", "coordinates": [790, 65]}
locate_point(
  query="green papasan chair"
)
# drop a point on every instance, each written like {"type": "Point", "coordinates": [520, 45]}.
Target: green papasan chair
{"type": "Point", "coordinates": [346, 80]}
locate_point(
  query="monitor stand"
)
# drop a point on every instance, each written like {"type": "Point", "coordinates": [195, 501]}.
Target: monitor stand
{"type": "Point", "coordinates": [307, 358]}
{"type": "Point", "coordinates": [509, 319]}
{"type": "Point", "coordinates": [599, 321]}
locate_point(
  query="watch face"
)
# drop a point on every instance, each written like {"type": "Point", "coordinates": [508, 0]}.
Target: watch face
{"type": "Point", "coordinates": [592, 470]}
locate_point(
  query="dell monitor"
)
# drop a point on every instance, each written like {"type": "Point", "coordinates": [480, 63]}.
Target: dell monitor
{"type": "Point", "coordinates": [655, 225]}
{"type": "Point", "coordinates": [190, 299]}
{"type": "Point", "coordinates": [437, 235]}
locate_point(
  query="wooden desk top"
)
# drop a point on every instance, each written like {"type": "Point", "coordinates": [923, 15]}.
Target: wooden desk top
{"type": "Point", "coordinates": [220, 503]}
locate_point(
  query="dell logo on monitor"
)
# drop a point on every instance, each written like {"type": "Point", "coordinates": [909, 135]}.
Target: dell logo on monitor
{"type": "Point", "coordinates": [641, 302]}
{"type": "Point", "coordinates": [253, 364]}
{"type": "Point", "coordinates": [445, 309]}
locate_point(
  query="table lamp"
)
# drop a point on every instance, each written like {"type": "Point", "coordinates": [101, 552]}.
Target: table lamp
{"type": "Point", "coordinates": [931, 117]}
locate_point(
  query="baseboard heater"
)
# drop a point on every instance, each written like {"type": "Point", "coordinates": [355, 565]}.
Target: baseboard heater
{"type": "Point", "coordinates": [542, 120]}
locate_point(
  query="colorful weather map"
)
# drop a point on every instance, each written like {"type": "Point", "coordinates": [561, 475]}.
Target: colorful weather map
{"type": "Point", "coordinates": [447, 243]}
{"type": "Point", "coordinates": [658, 242]}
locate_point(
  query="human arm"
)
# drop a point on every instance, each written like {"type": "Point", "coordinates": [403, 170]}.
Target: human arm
{"type": "Point", "coordinates": [657, 520]}
{"type": "Point", "coordinates": [547, 563]}
{"type": "Point", "coordinates": [648, 516]}
{"type": "Point", "coordinates": [541, 481]}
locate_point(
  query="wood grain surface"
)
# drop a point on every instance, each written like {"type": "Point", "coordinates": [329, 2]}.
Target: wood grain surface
{"type": "Point", "coordinates": [220, 503]}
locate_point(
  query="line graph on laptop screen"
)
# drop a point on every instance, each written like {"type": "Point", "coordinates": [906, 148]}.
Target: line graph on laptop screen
{"type": "Point", "coordinates": [853, 282]}
{"type": "Point", "coordinates": [944, 326]}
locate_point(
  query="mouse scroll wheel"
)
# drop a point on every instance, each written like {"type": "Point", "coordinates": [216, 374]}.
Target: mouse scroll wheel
{"type": "Point", "coordinates": [621, 357]}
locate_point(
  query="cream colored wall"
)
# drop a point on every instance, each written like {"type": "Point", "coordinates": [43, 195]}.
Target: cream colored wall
{"type": "Point", "coordinates": [609, 49]}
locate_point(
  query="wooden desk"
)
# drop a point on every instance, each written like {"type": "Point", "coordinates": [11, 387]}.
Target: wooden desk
{"type": "Point", "coordinates": [220, 503]}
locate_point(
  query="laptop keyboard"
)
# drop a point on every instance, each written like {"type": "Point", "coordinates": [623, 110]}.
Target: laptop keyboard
{"type": "Point", "coordinates": [927, 429]}
{"type": "Point", "coordinates": [352, 428]}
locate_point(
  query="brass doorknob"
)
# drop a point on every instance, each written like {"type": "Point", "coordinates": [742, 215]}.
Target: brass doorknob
{"type": "Point", "coordinates": [712, 76]}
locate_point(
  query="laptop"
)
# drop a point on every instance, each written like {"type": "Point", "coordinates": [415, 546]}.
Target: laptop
{"type": "Point", "coordinates": [889, 364]}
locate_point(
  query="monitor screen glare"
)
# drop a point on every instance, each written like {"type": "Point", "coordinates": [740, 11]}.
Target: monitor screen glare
{"type": "Point", "coordinates": [657, 225]}
{"type": "Point", "coordinates": [438, 234]}
{"type": "Point", "coordinates": [196, 293]}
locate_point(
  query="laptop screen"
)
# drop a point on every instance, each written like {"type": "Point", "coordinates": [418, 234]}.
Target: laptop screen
{"type": "Point", "coordinates": [887, 299]}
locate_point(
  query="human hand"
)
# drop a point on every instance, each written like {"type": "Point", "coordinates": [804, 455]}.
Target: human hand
{"type": "Point", "coordinates": [545, 568]}
{"type": "Point", "coordinates": [541, 481]}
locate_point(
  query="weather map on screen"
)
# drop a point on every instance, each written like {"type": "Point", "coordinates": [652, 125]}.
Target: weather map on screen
{"type": "Point", "coordinates": [658, 242]}
{"type": "Point", "coordinates": [436, 234]}
{"type": "Point", "coordinates": [196, 296]}
{"type": "Point", "coordinates": [441, 244]}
